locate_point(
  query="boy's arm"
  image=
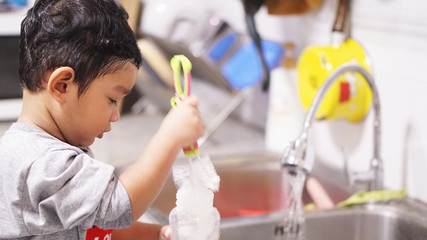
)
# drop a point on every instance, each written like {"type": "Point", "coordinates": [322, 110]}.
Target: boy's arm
{"type": "Point", "coordinates": [144, 179]}
{"type": "Point", "coordinates": [140, 230]}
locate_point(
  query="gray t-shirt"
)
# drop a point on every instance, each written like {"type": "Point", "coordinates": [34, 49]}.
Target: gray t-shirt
{"type": "Point", "coordinates": [52, 190]}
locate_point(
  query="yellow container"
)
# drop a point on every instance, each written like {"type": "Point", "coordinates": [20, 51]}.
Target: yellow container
{"type": "Point", "coordinates": [350, 96]}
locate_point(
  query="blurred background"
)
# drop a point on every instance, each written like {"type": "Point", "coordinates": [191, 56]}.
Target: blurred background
{"type": "Point", "coordinates": [229, 76]}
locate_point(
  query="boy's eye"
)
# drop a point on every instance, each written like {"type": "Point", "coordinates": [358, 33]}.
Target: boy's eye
{"type": "Point", "coordinates": [113, 101]}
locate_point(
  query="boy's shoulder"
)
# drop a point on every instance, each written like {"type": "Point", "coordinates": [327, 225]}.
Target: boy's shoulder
{"type": "Point", "coordinates": [39, 172]}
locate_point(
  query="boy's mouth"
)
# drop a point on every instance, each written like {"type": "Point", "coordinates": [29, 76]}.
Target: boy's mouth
{"type": "Point", "coordinates": [102, 134]}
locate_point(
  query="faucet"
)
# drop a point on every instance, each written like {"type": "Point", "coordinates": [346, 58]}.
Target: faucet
{"type": "Point", "coordinates": [298, 153]}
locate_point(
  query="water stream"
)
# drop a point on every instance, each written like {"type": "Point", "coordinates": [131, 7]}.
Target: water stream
{"type": "Point", "coordinates": [293, 180]}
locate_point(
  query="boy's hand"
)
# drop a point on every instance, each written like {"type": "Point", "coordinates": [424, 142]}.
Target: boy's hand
{"type": "Point", "coordinates": [144, 179]}
{"type": "Point", "coordinates": [165, 233]}
{"type": "Point", "coordinates": [183, 123]}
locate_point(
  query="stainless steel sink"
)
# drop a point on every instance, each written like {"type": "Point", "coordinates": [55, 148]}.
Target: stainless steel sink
{"type": "Point", "coordinates": [249, 202]}
{"type": "Point", "coordinates": [397, 219]}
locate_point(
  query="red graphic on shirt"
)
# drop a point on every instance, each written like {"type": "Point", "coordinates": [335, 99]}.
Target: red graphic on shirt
{"type": "Point", "coordinates": [96, 233]}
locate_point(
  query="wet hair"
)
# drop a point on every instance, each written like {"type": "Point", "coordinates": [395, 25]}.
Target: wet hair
{"type": "Point", "coordinates": [90, 36]}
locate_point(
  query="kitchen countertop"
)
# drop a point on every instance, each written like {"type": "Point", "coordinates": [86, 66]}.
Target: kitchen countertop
{"type": "Point", "coordinates": [132, 132]}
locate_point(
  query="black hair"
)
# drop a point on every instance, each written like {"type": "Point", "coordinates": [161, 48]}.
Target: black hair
{"type": "Point", "coordinates": [90, 36]}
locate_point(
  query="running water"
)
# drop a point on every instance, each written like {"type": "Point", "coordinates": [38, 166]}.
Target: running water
{"type": "Point", "coordinates": [293, 180]}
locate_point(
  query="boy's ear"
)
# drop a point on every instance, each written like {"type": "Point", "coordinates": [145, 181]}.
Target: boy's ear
{"type": "Point", "coordinates": [60, 82]}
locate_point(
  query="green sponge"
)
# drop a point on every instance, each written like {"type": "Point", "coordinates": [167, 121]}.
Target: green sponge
{"type": "Point", "coordinates": [372, 196]}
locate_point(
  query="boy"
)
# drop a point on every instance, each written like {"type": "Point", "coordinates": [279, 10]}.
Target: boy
{"type": "Point", "coordinates": [78, 59]}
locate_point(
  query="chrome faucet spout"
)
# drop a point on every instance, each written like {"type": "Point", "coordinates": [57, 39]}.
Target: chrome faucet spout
{"type": "Point", "coordinates": [297, 152]}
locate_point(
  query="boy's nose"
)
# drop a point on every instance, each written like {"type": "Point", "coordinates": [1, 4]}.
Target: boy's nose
{"type": "Point", "coordinates": [116, 115]}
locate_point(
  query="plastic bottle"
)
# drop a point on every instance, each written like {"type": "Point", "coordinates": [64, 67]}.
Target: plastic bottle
{"type": "Point", "coordinates": [285, 111]}
{"type": "Point", "coordinates": [195, 217]}
{"type": "Point", "coordinates": [194, 225]}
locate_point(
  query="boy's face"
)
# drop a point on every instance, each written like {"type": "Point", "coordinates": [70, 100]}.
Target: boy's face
{"type": "Point", "coordinates": [90, 115]}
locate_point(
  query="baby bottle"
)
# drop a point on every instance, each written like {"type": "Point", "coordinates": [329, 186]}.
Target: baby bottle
{"type": "Point", "coordinates": [194, 225]}
{"type": "Point", "coordinates": [194, 217]}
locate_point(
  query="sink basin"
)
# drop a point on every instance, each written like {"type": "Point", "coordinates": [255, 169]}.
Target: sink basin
{"type": "Point", "coordinates": [250, 185]}
{"type": "Point", "coordinates": [399, 219]}
{"type": "Point", "coordinates": [249, 202]}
